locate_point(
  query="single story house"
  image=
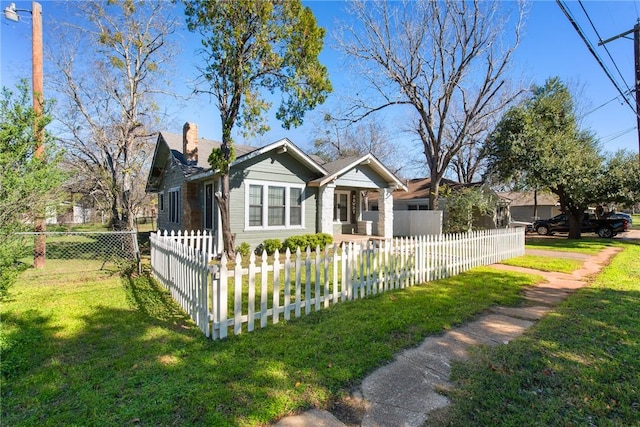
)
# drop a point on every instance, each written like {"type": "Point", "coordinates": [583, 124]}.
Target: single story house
{"type": "Point", "coordinates": [522, 205]}
{"type": "Point", "coordinates": [276, 191]}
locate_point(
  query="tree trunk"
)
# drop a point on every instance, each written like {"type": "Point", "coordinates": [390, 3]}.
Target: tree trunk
{"type": "Point", "coordinates": [535, 204]}
{"type": "Point", "coordinates": [434, 190]}
{"type": "Point", "coordinates": [115, 215]}
{"type": "Point", "coordinates": [575, 223]}
{"type": "Point", "coordinates": [228, 238]}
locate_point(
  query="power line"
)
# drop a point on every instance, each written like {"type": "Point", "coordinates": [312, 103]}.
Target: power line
{"type": "Point", "coordinates": [605, 46]}
{"type": "Point", "coordinates": [616, 135]}
{"type": "Point", "coordinates": [602, 105]}
{"type": "Point", "coordinates": [593, 52]}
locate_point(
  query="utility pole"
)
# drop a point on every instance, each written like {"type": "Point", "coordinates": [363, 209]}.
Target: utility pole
{"type": "Point", "coordinates": [11, 13]}
{"type": "Point", "coordinates": [636, 87]}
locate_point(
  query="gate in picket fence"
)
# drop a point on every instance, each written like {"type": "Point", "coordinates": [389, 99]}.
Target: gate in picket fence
{"type": "Point", "coordinates": [231, 296]}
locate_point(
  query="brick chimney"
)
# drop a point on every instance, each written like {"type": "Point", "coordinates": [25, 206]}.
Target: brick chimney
{"type": "Point", "coordinates": [190, 142]}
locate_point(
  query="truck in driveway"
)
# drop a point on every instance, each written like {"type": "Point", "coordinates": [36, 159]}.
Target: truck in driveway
{"type": "Point", "coordinates": [604, 227]}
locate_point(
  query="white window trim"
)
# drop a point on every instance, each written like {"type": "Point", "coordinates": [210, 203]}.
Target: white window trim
{"type": "Point", "coordinates": [348, 193]}
{"type": "Point", "coordinates": [265, 205]}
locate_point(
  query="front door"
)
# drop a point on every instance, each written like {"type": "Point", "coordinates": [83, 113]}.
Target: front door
{"type": "Point", "coordinates": [341, 211]}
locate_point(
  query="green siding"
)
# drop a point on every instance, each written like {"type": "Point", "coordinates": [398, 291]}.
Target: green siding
{"type": "Point", "coordinates": [361, 176]}
{"type": "Point", "coordinates": [276, 168]}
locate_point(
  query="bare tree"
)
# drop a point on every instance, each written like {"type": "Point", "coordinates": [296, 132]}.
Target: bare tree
{"type": "Point", "coordinates": [335, 140]}
{"type": "Point", "coordinates": [108, 79]}
{"type": "Point", "coordinates": [441, 60]}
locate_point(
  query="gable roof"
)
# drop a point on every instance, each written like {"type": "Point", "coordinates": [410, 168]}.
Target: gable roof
{"type": "Point", "coordinates": [525, 198]}
{"type": "Point", "coordinates": [336, 168]}
{"type": "Point", "coordinates": [169, 148]}
{"type": "Point", "coordinates": [283, 146]}
{"type": "Point", "coordinates": [418, 188]}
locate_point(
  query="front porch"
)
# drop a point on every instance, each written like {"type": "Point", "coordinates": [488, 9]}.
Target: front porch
{"type": "Point", "coordinates": [338, 239]}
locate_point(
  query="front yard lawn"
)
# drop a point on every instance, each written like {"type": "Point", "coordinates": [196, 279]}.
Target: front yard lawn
{"type": "Point", "coordinates": [114, 351]}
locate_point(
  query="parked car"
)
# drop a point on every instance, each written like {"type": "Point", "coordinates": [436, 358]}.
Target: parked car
{"type": "Point", "coordinates": [620, 215]}
{"type": "Point", "coordinates": [606, 227]}
{"type": "Point", "coordinates": [527, 225]}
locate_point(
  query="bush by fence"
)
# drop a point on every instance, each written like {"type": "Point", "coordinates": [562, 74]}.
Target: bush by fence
{"type": "Point", "coordinates": [243, 294]}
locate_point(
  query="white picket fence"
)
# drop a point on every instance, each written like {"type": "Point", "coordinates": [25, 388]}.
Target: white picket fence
{"type": "Point", "coordinates": [203, 241]}
{"type": "Point", "coordinates": [231, 297]}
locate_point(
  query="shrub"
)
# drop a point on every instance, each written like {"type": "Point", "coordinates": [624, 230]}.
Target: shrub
{"type": "Point", "coordinates": [308, 240]}
{"type": "Point", "coordinates": [270, 245]}
{"type": "Point", "coordinates": [244, 249]}
{"type": "Point", "coordinates": [294, 242]}
{"type": "Point", "coordinates": [324, 239]}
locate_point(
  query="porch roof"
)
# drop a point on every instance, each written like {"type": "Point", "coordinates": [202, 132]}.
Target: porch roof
{"type": "Point", "coordinates": [339, 167]}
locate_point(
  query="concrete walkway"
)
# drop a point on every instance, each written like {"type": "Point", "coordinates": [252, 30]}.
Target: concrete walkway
{"type": "Point", "coordinates": [405, 391]}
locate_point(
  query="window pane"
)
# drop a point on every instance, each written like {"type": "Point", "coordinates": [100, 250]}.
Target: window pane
{"type": "Point", "coordinates": [255, 195]}
{"type": "Point", "coordinates": [276, 205]}
{"type": "Point", "coordinates": [255, 205]}
{"type": "Point", "coordinates": [295, 206]}
{"type": "Point", "coordinates": [255, 215]}
{"type": "Point", "coordinates": [174, 206]}
{"type": "Point", "coordinates": [276, 196]}
{"type": "Point", "coordinates": [276, 215]}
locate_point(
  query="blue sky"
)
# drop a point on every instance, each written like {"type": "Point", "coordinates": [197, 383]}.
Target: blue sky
{"type": "Point", "coordinates": [550, 47]}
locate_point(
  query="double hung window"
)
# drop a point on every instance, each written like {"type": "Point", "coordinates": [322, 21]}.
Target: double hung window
{"type": "Point", "coordinates": [274, 205]}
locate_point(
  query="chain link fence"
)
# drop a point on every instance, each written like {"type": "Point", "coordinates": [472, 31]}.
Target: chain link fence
{"type": "Point", "coordinates": [83, 251]}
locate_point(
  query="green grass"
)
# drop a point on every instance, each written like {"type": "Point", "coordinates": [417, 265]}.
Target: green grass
{"type": "Point", "coordinates": [579, 366]}
{"type": "Point", "coordinates": [636, 221]}
{"type": "Point", "coordinates": [114, 351]}
{"type": "Point", "coordinates": [586, 245]}
{"type": "Point", "coordinates": [544, 263]}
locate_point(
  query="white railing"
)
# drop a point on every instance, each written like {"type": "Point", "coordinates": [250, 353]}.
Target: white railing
{"type": "Point", "coordinates": [232, 296]}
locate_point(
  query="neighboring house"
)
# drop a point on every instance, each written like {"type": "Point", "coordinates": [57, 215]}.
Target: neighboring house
{"type": "Point", "coordinates": [522, 205]}
{"type": "Point", "coordinates": [276, 191]}
{"type": "Point", "coordinates": [416, 198]}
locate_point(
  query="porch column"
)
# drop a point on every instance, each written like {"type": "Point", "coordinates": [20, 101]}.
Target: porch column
{"type": "Point", "coordinates": [385, 208]}
{"type": "Point", "coordinates": [325, 209]}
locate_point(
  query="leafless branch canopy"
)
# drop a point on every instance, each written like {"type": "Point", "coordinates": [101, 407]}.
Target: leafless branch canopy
{"type": "Point", "coordinates": [446, 62]}
{"type": "Point", "coordinates": [108, 75]}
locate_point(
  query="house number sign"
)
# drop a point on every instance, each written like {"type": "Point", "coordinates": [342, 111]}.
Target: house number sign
{"type": "Point", "coordinates": [353, 203]}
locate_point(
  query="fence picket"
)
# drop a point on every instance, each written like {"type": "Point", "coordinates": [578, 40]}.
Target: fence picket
{"type": "Point", "coordinates": [251, 309]}
{"type": "Point", "coordinates": [237, 296]}
{"type": "Point", "coordinates": [276, 287]}
{"type": "Point", "coordinates": [223, 323]}
{"type": "Point", "coordinates": [264, 275]}
{"type": "Point", "coordinates": [317, 268]}
{"type": "Point", "coordinates": [298, 289]}
{"type": "Point", "coordinates": [287, 284]}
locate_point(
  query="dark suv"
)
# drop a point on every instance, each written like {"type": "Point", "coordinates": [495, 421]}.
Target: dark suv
{"type": "Point", "coordinates": [590, 224]}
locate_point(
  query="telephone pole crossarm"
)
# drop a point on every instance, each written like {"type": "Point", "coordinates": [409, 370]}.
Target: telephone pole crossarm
{"type": "Point", "coordinates": [636, 87]}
